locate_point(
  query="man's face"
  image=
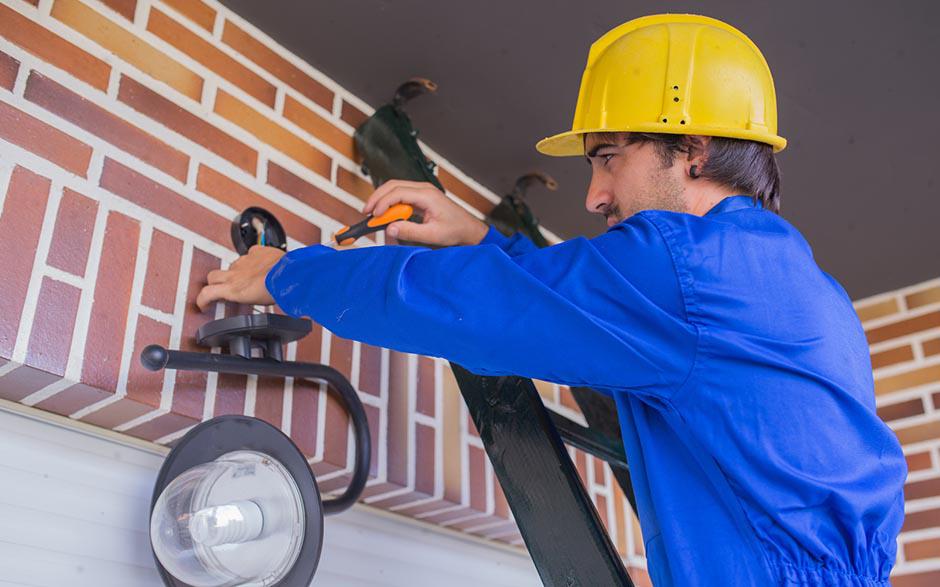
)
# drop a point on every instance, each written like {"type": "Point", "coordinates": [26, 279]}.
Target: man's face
{"type": "Point", "coordinates": [626, 179]}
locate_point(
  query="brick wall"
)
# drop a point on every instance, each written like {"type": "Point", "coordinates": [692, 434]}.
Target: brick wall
{"type": "Point", "coordinates": [903, 328]}
{"type": "Point", "coordinates": [131, 133]}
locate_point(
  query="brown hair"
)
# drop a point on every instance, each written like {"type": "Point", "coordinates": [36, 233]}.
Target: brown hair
{"type": "Point", "coordinates": [747, 167]}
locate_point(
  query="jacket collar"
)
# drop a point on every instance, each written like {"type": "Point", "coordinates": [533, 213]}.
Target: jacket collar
{"type": "Point", "coordinates": [732, 204]}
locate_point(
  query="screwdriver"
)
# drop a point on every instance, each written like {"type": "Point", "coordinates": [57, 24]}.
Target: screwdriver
{"type": "Point", "coordinates": [348, 234]}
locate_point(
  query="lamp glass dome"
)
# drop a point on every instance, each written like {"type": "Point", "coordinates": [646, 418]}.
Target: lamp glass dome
{"type": "Point", "coordinates": [237, 520]}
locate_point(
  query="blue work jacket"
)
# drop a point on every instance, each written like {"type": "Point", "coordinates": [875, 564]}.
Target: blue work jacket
{"type": "Point", "coordinates": [740, 372]}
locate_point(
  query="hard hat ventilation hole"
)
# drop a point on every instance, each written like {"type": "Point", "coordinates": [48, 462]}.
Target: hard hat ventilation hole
{"type": "Point", "coordinates": [676, 99]}
{"type": "Point", "coordinates": [675, 87]}
{"type": "Point", "coordinates": [665, 120]}
{"type": "Point", "coordinates": [681, 122]}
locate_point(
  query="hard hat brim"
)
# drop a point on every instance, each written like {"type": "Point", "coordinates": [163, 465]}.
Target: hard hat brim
{"type": "Point", "coordinates": [571, 143]}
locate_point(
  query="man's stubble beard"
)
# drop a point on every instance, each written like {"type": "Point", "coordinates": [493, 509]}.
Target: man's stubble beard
{"type": "Point", "coordinates": [666, 193]}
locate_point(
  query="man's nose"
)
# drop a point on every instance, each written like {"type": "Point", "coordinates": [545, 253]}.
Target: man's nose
{"type": "Point", "coordinates": [599, 196]}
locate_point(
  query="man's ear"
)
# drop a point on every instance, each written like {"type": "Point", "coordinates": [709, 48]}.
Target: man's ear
{"type": "Point", "coordinates": [696, 150]}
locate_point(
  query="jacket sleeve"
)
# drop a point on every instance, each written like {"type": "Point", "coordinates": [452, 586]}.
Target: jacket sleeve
{"type": "Point", "coordinates": [574, 313]}
{"type": "Point", "coordinates": [512, 245]}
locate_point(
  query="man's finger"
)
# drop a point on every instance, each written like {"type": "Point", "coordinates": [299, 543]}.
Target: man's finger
{"type": "Point", "coordinates": [422, 197]}
{"type": "Point", "coordinates": [217, 276]}
{"type": "Point", "coordinates": [210, 294]}
{"type": "Point", "coordinates": [412, 231]}
{"type": "Point", "coordinates": [389, 187]}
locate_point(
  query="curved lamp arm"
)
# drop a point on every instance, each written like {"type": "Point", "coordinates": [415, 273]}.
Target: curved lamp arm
{"type": "Point", "coordinates": [155, 357]}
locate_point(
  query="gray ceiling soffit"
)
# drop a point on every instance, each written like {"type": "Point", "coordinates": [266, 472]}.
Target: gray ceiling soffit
{"type": "Point", "coordinates": [857, 89]}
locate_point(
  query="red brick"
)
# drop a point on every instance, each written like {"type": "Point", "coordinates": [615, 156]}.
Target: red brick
{"type": "Point", "coordinates": [143, 385]}
{"type": "Point", "coordinates": [161, 426]}
{"type": "Point", "coordinates": [303, 428]}
{"type": "Point", "coordinates": [223, 189]}
{"type": "Point", "coordinates": [370, 369]}
{"type": "Point", "coordinates": [425, 399]}
{"type": "Point", "coordinates": [163, 269]}
{"type": "Point", "coordinates": [472, 427]}
{"type": "Point", "coordinates": [189, 392]}
{"type": "Point", "coordinates": [263, 55]}
{"type": "Point", "coordinates": [920, 520]}
{"type": "Point", "coordinates": [269, 400]}
{"type": "Point", "coordinates": [899, 410]}
{"type": "Point", "coordinates": [9, 67]}
{"type": "Point", "coordinates": [600, 504]}
{"type": "Point", "coordinates": [20, 224]}
{"type": "Point", "coordinates": [923, 297]}
{"type": "Point", "coordinates": [72, 399]}
{"type": "Point", "coordinates": [567, 398]}
{"type": "Point", "coordinates": [335, 444]}
{"type": "Point", "coordinates": [23, 381]}
{"type": "Point", "coordinates": [912, 434]}
{"type": "Point", "coordinates": [927, 579]}
{"type": "Point", "coordinates": [53, 49]}
{"type": "Point", "coordinates": [353, 184]}
{"type": "Point", "coordinates": [50, 339]}
{"type": "Point", "coordinates": [209, 55]}
{"type": "Point", "coordinates": [903, 327]}
{"type": "Point", "coordinates": [230, 394]}
{"type": "Point", "coordinates": [128, 46]}
{"type": "Point", "coordinates": [640, 576]}
{"type": "Point", "coordinates": [477, 474]}
{"type": "Point", "coordinates": [922, 549]}
{"type": "Point", "coordinates": [877, 309]}
{"type": "Point", "coordinates": [105, 339]}
{"type": "Point", "coordinates": [341, 350]}
{"type": "Point", "coordinates": [580, 463]}
{"type": "Point", "coordinates": [352, 115]}
{"type": "Point", "coordinates": [50, 143]}
{"type": "Point", "coordinates": [397, 415]}
{"type": "Point", "coordinates": [268, 131]}
{"type": "Point", "coordinates": [599, 467]}
{"type": "Point", "coordinates": [134, 187]}
{"type": "Point", "coordinates": [931, 347]}
{"type": "Point", "coordinates": [190, 126]}
{"type": "Point", "coordinates": [119, 412]}
{"type": "Point", "coordinates": [908, 379]}
{"type": "Point", "coordinates": [918, 461]}
{"type": "Point", "coordinates": [231, 388]}
{"type": "Point", "coordinates": [98, 121]}
{"type": "Point", "coordinates": [425, 466]}
{"type": "Point", "coordinates": [892, 356]}
{"type": "Point", "coordinates": [464, 192]}
{"type": "Point", "coordinates": [71, 239]}
{"type": "Point", "coordinates": [319, 127]}
{"type": "Point", "coordinates": [374, 416]}
{"type": "Point", "coordinates": [311, 195]}
{"type": "Point", "coordinates": [195, 10]}
{"type": "Point", "coordinates": [922, 489]}
{"type": "Point", "coordinates": [125, 8]}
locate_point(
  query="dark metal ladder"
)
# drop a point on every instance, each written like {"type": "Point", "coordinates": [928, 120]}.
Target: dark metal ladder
{"type": "Point", "coordinates": [558, 522]}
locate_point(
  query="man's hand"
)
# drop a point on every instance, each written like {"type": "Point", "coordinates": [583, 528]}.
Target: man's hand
{"type": "Point", "coordinates": [243, 281]}
{"type": "Point", "coordinates": [445, 223]}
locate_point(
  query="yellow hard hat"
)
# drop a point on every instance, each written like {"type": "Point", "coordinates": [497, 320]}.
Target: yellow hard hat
{"type": "Point", "coordinates": [673, 73]}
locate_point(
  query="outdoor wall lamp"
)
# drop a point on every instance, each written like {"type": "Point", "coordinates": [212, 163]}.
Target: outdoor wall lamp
{"type": "Point", "coordinates": [235, 502]}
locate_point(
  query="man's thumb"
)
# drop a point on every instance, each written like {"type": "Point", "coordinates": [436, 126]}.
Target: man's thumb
{"type": "Point", "coordinates": [408, 231]}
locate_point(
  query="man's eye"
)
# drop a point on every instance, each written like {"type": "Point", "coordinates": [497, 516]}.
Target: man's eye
{"type": "Point", "coordinates": [607, 157]}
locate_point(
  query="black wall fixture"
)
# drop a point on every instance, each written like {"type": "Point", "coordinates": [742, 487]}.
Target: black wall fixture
{"type": "Point", "coordinates": [235, 502]}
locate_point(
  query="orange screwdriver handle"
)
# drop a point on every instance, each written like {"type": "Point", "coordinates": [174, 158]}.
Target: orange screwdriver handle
{"type": "Point", "coordinates": [348, 234]}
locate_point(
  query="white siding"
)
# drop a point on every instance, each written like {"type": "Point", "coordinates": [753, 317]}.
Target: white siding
{"type": "Point", "coordinates": [74, 511]}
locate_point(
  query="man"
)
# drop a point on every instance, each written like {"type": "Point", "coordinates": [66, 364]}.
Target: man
{"type": "Point", "coordinates": [740, 372]}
